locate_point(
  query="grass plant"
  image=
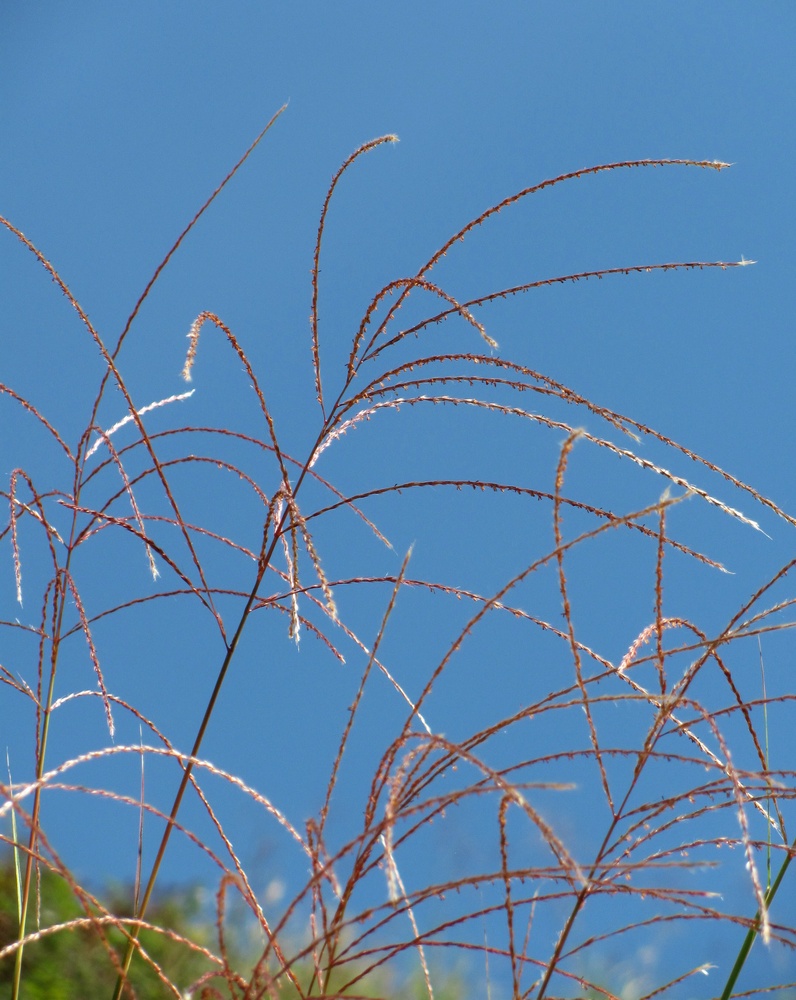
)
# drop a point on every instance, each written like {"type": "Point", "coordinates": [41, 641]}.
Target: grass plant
{"type": "Point", "coordinates": [627, 780]}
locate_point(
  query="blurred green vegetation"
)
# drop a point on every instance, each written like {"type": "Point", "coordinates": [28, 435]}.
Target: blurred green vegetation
{"type": "Point", "coordinates": [73, 963]}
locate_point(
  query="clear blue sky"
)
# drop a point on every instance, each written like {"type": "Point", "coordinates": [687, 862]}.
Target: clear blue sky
{"type": "Point", "coordinates": [117, 121]}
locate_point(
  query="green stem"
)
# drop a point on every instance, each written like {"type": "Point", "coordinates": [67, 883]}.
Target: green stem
{"type": "Point", "coordinates": [36, 813]}
{"type": "Point", "coordinates": [188, 768]}
{"type": "Point", "coordinates": [266, 554]}
{"type": "Point", "coordinates": [752, 933]}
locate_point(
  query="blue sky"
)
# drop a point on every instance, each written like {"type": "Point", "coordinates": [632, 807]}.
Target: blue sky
{"type": "Point", "coordinates": [117, 123]}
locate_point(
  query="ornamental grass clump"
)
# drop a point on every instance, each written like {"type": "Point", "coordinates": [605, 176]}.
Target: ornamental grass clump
{"type": "Point", "coordinates": [524, 825]}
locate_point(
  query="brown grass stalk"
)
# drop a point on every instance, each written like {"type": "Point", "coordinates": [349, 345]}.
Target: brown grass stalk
{"type": "Point", "coordinates": [598, 800]}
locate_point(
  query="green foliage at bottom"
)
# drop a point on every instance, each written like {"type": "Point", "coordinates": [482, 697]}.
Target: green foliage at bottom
{"type": "Point", "coordinates": [74, 963]}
